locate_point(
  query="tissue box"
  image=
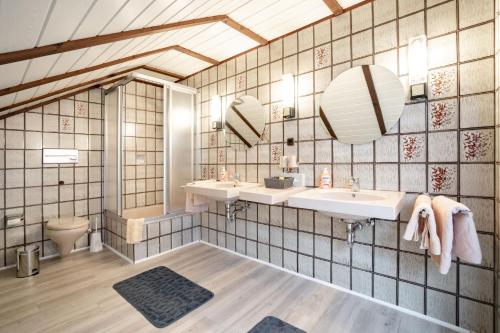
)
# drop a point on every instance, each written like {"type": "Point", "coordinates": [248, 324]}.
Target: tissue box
{"type": "Point", "coordinates": [275, 182]}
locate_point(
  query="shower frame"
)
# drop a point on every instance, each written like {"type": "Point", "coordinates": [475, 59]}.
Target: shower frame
{"type": "Point", "coordinates": [169, 187]}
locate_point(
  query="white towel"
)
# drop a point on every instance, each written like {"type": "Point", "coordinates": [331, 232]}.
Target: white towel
{"type": "Point", "coordinates": [430, 239]}
{"type": "Point", "coordinates": [456, 229]}
{"type": "Point", "coordinates": [196, 203]}
{"type": "Point", "coordinates": [134, 230]}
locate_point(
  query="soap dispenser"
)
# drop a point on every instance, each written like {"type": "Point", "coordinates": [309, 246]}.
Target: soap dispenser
{"type": "Point", "coordinates": [325, 181]}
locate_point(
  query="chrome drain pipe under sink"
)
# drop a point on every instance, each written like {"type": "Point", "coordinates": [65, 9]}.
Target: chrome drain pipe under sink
{"type": "Point", "coordinates": [233, 208]}
{"type": "Point", "coordinates": [355, 225]}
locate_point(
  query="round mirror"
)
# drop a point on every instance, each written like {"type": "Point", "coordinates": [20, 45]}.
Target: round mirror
{"type": "Point", "coordinates": [362, 104]}
{"type": "Point", "coordinates": [244, 123]}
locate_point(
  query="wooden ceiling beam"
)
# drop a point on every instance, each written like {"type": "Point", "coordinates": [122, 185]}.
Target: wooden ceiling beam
{"type": "Point", "coordinates": [71, 45]}
{"type": "Point", "coordinates": [334, 6]}
{"type": "Point", "coordinates": [121, 75]}
{"type": "Point", "coordinates": [32, 84]}
{"type": "Point", "coordinates": [195, 54]}
{"type": "Point", "coordinates": [58, 77]}
{"type": "Point", "coordinates": [244, 30]}
{"type": "Point", "coordinates": [163, 72]}
{"type": "Point", "coordinates": [345, 10]}
{"type": "Point", "coordinates": [73, 87]}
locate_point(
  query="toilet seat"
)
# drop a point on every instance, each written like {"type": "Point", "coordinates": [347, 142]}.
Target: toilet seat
{"type": "Point", "coordinates": [67, 223]}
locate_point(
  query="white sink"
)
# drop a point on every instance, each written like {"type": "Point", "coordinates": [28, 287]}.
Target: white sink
{"type": "Point", "coordinates": [268, 196]}
{"type": "Point", "coordinates": [345, 204]}
{"type": "Point", "coordinates": [227, 191]}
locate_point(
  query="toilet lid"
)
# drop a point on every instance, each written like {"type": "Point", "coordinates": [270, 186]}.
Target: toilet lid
{"type": "Point", "coordinates": [66, 223]}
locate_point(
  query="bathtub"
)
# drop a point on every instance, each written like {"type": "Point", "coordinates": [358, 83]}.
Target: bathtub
{"type": "Point", "coordinates": [177, 228]}
{"type": "Point", "coordinates": [143, 212]}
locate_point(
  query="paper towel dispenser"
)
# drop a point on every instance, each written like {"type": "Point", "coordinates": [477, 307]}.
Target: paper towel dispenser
{"type": "Point", "coordinates": [60, 156]}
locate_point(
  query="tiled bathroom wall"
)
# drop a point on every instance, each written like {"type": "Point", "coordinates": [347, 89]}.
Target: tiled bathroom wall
{"type": "Point", "coordinates": [142, 145]}
{"type": "Point", "coordinates": [497, 160]}
{"type": "Point", "coordinates": [445, 145]}
{"type": "Point", "coordinates": [160, 235]}
{"type": "Point", "coordinates": [41, 191]}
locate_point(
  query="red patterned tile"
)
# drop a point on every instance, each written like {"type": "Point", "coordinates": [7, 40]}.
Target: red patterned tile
{"type": "Point", "coordinates": [276, 112]}
{"type": "Point", "coordinates": [413, 148]}
{"type": "Point", "coordinates": [477, 146]}
{"type": "Point", "coordinates": [322, 56]}
{"type": "Point", "coordinates": [443, 83]}
{"type": "Point", "coordinates": [443, 179]}
{"type": "Point", "coordinates": [221, 156]}
{"type": "Point", "coordinates": [204, 172]}
{"type": "Point", "coordinates": [212, 139]}
{"type": "Point", "coordinates": [443, 114]}
{"type": "Point", "coordinates": [81, 109]}
{"type": "Point", "coordinates": [241, 83]}
{"type": "Point", "coordinates": [212, 172]}
{"type": "Point", "coordinates": [276, 153]}
{"type": "Point", "coordinates": [66, 124]}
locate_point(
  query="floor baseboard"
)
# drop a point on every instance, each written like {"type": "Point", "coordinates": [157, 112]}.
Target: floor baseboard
{"type": "Point", "coordinates": [55, 255]}
{"type": "Point", "coordinates": [166, 252]}
{"type": "Point", "coordinates": [121, 255]}
{"type": "Point", "coordinates": [333, 286]}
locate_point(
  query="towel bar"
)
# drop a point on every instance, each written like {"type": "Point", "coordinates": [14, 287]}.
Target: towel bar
{"type": "Point", "coordinates": [422, 221]}
{"type": "Point", "coordinates": [423, 214]}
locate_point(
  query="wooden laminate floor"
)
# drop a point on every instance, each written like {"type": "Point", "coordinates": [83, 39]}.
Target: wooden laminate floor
{"type": "Point", "coordinates": [75, 294]}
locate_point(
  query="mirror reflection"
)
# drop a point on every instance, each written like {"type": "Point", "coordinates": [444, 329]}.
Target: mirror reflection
{"type": "Point", "coordinates": [244, 123]}
{"type": "Point", "coordinates": [362, 104]}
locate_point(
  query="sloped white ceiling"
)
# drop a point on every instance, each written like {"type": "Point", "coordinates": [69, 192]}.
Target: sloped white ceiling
{"type": "Point", "coordinates": [37, 23]}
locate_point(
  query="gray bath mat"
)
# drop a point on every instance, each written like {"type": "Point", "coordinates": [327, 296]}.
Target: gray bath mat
{"type": "Point", "coordinates": [162, 295]}
{"type": "Point", "coordinates": [274, 325]}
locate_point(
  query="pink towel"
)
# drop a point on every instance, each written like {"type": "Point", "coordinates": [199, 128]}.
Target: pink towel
{"type": "Point", "coordinates": [430, 239]}
{"type": "Point", "coordinates": [456, 229]}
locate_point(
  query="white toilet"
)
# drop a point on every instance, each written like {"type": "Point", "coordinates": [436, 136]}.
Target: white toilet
{"type": "Point", "coordinates": [65, 231]}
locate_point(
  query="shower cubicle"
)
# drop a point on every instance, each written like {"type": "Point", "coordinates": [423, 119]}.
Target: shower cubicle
{"type": "Point", "coordinates": [177, 133]}
{"type": "Point", "coordinates": [146, 145]}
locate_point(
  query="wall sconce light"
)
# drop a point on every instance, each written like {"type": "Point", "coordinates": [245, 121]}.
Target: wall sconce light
{"type": "Point", "coordinates": [288, 91]}
{"type": "Point", "coordinates": [216, 112]}
{"type": "Point", "coordinates": [417, 66]}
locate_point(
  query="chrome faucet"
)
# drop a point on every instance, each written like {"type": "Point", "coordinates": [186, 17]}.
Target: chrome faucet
{"type": "Point", "coordinates": [354, 184]}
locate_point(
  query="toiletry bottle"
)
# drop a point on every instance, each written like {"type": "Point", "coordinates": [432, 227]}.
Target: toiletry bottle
{"type": "Point", "coordinates": [222, 175]}
{"type": "Point", "coordinates": [325, 179]}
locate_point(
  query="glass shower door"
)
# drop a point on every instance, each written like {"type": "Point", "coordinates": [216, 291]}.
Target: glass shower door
{"type": "Point", "coordinates": [180, 134]}
{"type": "Point", "coordinates": [112, 151]}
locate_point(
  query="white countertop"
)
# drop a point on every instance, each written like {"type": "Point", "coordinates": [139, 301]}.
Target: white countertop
{"type": "Point", "coordinates": [269, 196]}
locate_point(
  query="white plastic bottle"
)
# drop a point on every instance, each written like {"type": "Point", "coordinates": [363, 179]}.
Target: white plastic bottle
{"type": "Point", "coordinates": [325, 181]}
